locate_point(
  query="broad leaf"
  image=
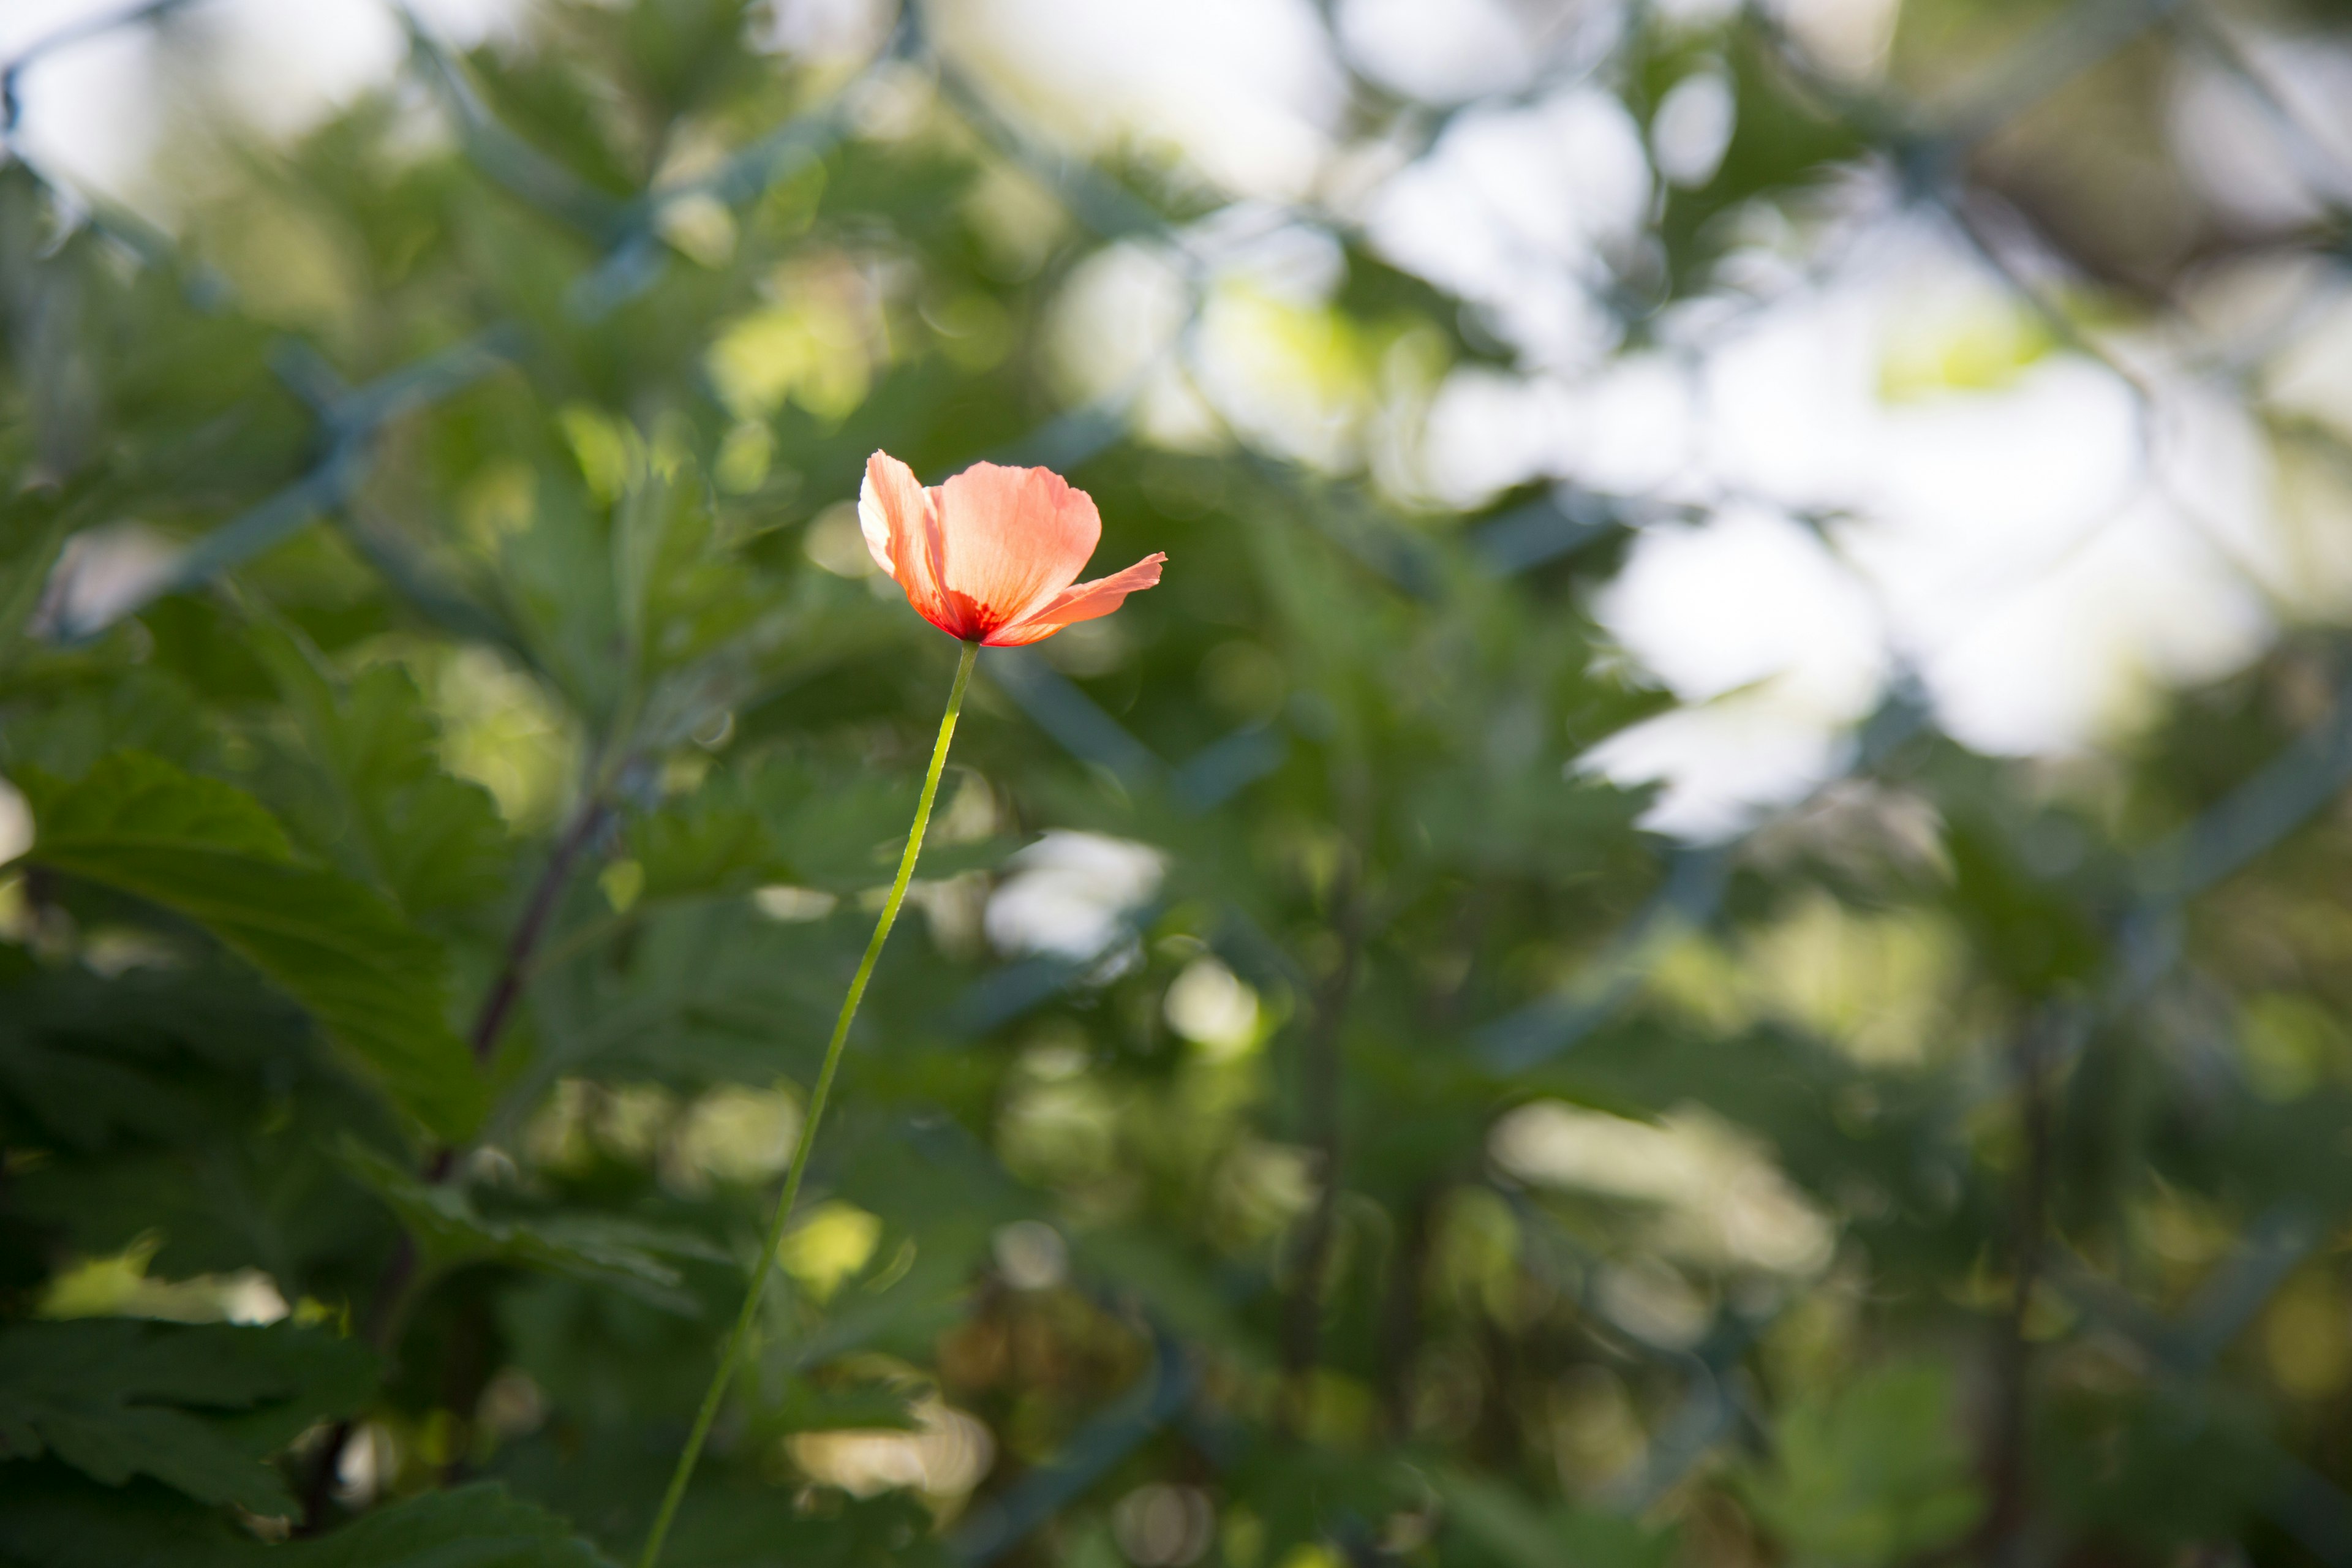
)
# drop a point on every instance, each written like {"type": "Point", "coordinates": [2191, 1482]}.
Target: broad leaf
{"type": "Point", "coordinates": [58, 1521]}
{"type": "Point", "coordinates": [431, 841]}
{"type": "Point", "coordinates": [480, 1526]}
{"type": "Point", "coordinates": [209, 852]}
{"type": "Point", "coordinates": [843, 830]}
{"type": "Point", "coordinates": [154, 1055]}
{"type": "Point", "coordinates": [604, 1249]}
{"type": "Point", "coordinates": [196, 1408]}
{"type": "Point", "coordinates": [683, 588]}
{"type": "Point", "coordinates": [704, 845]}
{"type": "Point", "coordinates": [184, 1105]}
{"type": "Point", "coordinates": [57, 1518]}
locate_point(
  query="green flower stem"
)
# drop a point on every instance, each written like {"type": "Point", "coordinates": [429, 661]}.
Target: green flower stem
{"type": "Point", "coordinates": [766, 1261]}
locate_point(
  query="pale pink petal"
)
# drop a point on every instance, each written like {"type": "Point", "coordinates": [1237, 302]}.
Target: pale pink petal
{"type": "Point", "coordinates": [1080, 602]}
{"type": "Point", "coordinates": [885, 492]}
{"type": "Point", "coordinates": [900, 520]}
{"type": "Point", "coordinates": [1014, 539]}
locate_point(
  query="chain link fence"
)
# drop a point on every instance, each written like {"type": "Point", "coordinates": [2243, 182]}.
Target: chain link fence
{"type": "Point", "coordinates": [1918, 159]}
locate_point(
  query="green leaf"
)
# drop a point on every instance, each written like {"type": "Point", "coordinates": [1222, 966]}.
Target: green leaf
{"type": "Point", "coordinates": [480, 1526]}
{"type": "Point", "coordinates": [73, 721]}
{"type": "Point", "coordinates": [833, 828]}
{"type": "Point", "coordinates": [438, 841]}
{"type": "Point", "coordinates": [195, 1406]}
{"type": "Point", "coordinates": [82, 1098]}
{"type": "Point", "coordinates": [1874, 1471]}
{"type": "Point", "coordinates": [209, 852]}
{"type": "Point", "coordinates": [57, 1518]}
{"type": "Point", "coordinates": [641, 604]}
{"type": "Point", "coordinates": [33, 529]}
{"type": "Point", "coordinates": [748, 1527]}
{"type": "Point", "coordinates": [683, 590]}
{"type": "Point", "coordinates": [604, 1249]}
{"type": "Point", "coordinates": [806, 1406]}
{"type": "Point", "coordinates": [58, 1521]}
{"type": "Point", "coordinates": [840, 831]}
{"type": "Point", "coordinates": [431, 841]}
{"type": "Point", "coordinates": [132, 802]}
{"type": "Point", "coordinates": [2029, 928]}
{"type": "Point", "coordinates": [701, 847]}
{"type": "Point", "coordinates": [186, 1105]}
{"type": "Point", "coordinates": [1515, 1532]}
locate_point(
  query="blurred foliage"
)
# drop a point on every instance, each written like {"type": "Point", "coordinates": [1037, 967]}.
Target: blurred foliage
{"type": "Point", "coordinates": [1311, 1125]}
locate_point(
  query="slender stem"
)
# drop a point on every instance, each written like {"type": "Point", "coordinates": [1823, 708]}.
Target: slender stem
{"type": "Point", "coordinates": [389, 1305]}
{"type": "Point", "coordinates": [766, 1261]}
{"type": "Point", "coordinates": [387, 1310]}
{"type": "Point", "coordinates": [507, 989]}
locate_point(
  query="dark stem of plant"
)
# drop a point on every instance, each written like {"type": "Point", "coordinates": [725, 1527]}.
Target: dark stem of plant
{"type": "Point", "coordinates": [377, 1327]}
{"type": "Point", "coordinates": [499, 1003]}
{"type": "Point", "coordinates": [2005, 1516]}
{"type": "Point", "coordinates": [384, 1310]}
{"type": "Point", "coordinates": [319, 1485]}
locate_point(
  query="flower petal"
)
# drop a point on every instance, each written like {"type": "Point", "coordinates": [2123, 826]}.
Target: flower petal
{"type": "Point", "coordinates": [1014, 538]}
{"type": "Point", "coordinates": [900, 520]}
{"type": "Point", "coordinates": [1081, 602]}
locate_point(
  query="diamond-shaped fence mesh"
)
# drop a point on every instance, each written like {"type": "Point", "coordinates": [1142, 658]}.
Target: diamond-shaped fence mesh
{"type": "Point", "coordinates": [1628, 261]}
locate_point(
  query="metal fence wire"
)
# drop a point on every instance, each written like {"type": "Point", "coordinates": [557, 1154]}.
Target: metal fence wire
{"type": "Point", "coordinates": [1920, 151]}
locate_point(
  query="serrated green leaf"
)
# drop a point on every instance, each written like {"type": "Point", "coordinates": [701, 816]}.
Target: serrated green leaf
{"type": "Point", "coordinates": [58, 1521]}
{"type": "Point", "coordinates": [839, 832]}
{"type": "Point", "coordinates": [480, 1526]}
{"type": "Point", "coordinates": [55, 1517]}
{"type": "Point", "coordinates": [431, 841]}
{"type": "Point", "coordinates": [195, 1406]}
{"type": "Point", "coordinates": [153, 1054]}
{"type": "Point", "coordinates": [605, 1249]}
{"type": "Point", "coordinates": [702, 848]}
{"type": "Point", "coordinates": [78, 1097]}
{"type": "Point", "coordinates": [133, 802]}
{"type": "Point", "coordinates": [682, 591]}
{"type": "Point", "coordinates": [79, 720]}
{"type": "Point", "coordinates": [184, 1104]}
{"type": "Point", "coordinates": [439, 842]}
{"type": "Point", "coordinates": [209, 852]}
